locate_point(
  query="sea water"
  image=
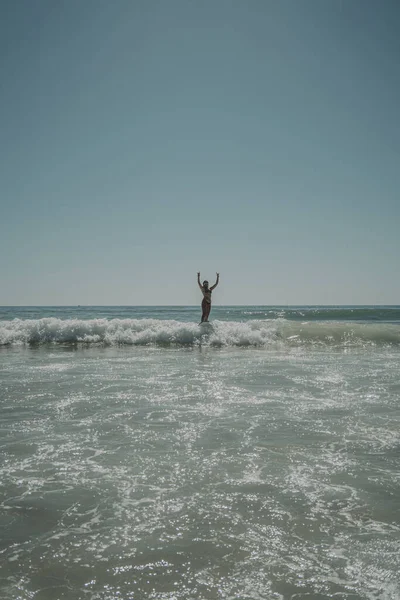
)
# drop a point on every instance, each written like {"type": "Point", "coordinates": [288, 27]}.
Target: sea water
{"type": "Point", "coordinates": [143, 456]}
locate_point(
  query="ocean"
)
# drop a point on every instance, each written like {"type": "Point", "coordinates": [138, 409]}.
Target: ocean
{"type": "Point", "coordinates": [143, 456]}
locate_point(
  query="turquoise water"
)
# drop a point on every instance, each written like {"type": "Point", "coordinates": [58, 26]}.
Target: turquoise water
{"type": "Point", "coordinates": [143, 457]}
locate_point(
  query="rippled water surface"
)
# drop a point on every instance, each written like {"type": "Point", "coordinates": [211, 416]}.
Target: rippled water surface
{"type": "Point", "coordinates": [199, 472]}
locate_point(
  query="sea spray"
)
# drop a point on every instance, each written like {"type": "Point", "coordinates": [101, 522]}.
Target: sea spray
{"type": "Point", "coordinates": [166, 332]}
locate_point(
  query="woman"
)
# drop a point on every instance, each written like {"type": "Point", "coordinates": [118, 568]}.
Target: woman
{"type": "Point", "coordinates": [206, 304]}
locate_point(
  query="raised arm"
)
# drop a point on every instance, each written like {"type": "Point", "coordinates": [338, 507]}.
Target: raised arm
{"type": "Point", "coordinates": [216, 283]}
{"type": "Point", "coordinates": [198, 281]}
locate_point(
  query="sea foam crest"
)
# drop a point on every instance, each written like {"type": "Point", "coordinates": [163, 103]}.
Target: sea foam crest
{"type": "Point", "coordinates": [221, 333]}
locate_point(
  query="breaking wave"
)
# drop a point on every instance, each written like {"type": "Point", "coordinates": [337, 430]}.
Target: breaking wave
{"type": "Point", "coordinates": [142, 332]}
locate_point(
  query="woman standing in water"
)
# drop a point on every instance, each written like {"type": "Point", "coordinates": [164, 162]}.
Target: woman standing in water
{"type": "Point", "coordinates": [207, 291]}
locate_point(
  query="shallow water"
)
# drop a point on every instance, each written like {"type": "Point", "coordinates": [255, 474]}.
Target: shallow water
{"type": "Point", "coordinates": [183, 468]}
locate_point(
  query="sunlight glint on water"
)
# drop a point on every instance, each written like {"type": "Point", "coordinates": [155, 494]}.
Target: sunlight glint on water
{"type": "Point", "coordinates": [182, 468]}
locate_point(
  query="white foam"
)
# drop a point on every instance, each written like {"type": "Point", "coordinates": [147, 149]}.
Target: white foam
{"type": "Point", "coordinates": [258, 333]}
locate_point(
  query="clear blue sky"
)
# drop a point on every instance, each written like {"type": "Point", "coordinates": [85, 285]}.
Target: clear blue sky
{"type": "Point", "coordinates": [144, 140]}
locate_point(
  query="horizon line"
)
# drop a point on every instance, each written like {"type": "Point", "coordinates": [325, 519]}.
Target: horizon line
{"type": "Point", "coordinates": [189, 305]}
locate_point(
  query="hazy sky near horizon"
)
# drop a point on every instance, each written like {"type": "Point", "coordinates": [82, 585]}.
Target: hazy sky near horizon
{"type": "Point", "coordinates": [144, 140]}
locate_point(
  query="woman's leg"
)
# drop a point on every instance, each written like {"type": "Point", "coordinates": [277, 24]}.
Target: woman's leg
{"type": "Point", "coordinates": [206, 310]}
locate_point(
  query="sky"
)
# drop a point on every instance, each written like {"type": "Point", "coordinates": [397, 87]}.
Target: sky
{"type": "Point", "coordinates": [143, 141]}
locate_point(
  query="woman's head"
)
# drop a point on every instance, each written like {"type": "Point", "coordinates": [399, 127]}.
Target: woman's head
{"type": "Point", "coordinates": [205, 283]}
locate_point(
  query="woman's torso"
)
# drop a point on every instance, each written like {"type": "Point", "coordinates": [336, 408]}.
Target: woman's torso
{"type": "Point", "coordinates": [207, 294]}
